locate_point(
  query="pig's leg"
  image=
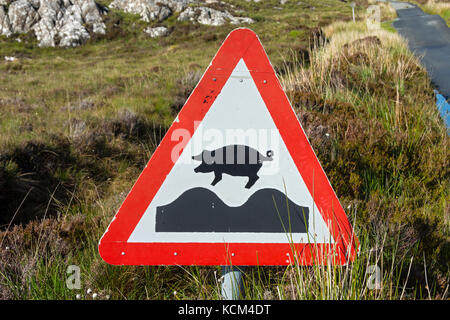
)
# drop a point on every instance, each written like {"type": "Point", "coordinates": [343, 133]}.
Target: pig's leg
{"type": "Point", "coordinates": [251, 181]}
{"type": "Point", "coordinates": [217, 177]}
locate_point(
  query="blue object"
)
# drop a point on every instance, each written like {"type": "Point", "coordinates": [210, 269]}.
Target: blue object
{"type": "Point", "coordinates": [444, 108]}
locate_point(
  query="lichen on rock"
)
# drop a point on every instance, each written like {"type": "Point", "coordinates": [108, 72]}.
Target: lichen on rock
{"type": "Point", "coordinates": [69, 23]}
{"type": "Point", "coordinates": [5, 29]}
{"type": "Point", "coordinates": [211, 17]}
{"type": "Point", "coordinates": [159, 10]}
{"type": "Point", "coordinates": [151, 10]}
{"type": "Point", "coordinates": [157, 32]}
{"type": "Point", "coordinates": [62, 23]}
{"type": "Point", "coordinates": [23, 14]}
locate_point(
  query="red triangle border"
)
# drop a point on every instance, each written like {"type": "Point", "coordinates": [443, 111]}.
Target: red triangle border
{"type": "Point", "coordinates": [240, 43]}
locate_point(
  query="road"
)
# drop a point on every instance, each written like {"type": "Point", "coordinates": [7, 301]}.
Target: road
{"type": "Point", "coordinates": [428, 37]}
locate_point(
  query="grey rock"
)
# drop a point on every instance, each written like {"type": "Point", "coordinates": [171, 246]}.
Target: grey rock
{"type": "Point", "coordinates": [71, 29]}
{"type": "Point", "coordinates": [5, 27]}
{"type": "Point", "coordinates": [91, 14]}
{"type": "Point", "coordinates": [241, 20]}
{"type": "Point", "coordinates": [23, 15]}
{"type": "Point", "coordinates": [211, 17]}
{"type": "Point", "coordinates": [177, 5]}
{"type": "Point", "coordinates": [159, 10]}
{"type": "Point", "coordinates": [157, 32]}
{"type": "Point", "coordinates": [54, 22]}
{"type": "Point", "coordinates": [151, 10]}
{"type": "Point", "coordinates": [46, 30]}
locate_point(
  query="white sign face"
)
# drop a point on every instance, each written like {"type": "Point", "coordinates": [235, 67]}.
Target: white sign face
{"type": "Point", "coordinates": [234, 181]}
{"type": "Point", "coordinates": [238, 117]}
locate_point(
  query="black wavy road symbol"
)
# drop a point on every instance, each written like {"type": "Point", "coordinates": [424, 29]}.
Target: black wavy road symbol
{"type": "Point", "coordinates": [201, 210]}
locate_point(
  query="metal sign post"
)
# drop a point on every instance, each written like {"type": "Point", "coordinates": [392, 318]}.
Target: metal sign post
{"type": "Point", "coordinates": [232, 284]}
{"type": "Point", "coordinates": [353, 5]}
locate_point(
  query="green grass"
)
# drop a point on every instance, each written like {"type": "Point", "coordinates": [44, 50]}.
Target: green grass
{"type": "Point", "coordinates": [78, 125]}
{"type": "Point", "coordinates": [48, 280]}
{"type": "Point", "coordinates": [387, 25]}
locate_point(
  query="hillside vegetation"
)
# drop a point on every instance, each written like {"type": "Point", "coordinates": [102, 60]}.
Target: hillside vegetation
{"type": "Point", "coordinates": [78, 125]}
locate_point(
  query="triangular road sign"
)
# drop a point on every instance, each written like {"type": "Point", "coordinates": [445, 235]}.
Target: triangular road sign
{"type": "Point", "coordinates": [234, 180]}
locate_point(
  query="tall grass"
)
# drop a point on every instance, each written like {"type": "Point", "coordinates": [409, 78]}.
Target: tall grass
{"type": "Point", "coordinates": [367, 91]}
{"type": "Point", "coordinates": [373, 55]}
{"type": "Point", "coordinates": [366, 105]}
{"type": "Point", "coordinates": [366, 278]}
{"type": "Point", "coordinates": [46, 258]}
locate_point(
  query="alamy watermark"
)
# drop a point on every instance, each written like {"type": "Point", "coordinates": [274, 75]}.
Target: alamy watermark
{"type": "Point", "coordinates": [374, 279]}
{"type": "Point", "coordinates": [373, 20]}
{"type": "Point", "coordinates": [73, 282]}
{"type": "Point", "coordinates": [214, 146]}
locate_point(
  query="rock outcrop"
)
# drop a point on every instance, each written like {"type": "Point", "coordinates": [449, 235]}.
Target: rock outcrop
{"type": "Point", "coordinates": [23, 14]}
{"type": "Point", "coordinates": [151, 10]}
{"type": "Point", "coordinates": [157, 32]}
{"type": "Point", "coordinates": [5, 26]}
{"type": "Point", "coordinates": [64, 23]}
{"type": "Point", "coordinates": [159, 10]}
{"type": "Point", "coordinates": [69, 23]}
{"type": "Point", "coordinates": [211, 17]}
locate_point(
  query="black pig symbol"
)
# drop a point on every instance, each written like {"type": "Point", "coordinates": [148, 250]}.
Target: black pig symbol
{"type": "Point", "coordinates": [235, 160]}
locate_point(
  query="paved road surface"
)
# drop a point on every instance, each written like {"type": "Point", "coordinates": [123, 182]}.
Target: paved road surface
{"type": "Point", "coordinates": [428, 36]}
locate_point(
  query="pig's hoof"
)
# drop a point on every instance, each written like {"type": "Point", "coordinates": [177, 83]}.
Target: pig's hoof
{"type": "Point", "coordinates": [251, 182]}
{"type": "Point", "coordinates": [215, 181]}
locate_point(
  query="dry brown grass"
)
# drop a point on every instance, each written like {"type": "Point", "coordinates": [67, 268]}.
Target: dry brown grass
{"type": "Point", "coordinates": [387, 11]}
{"type": "Point", "coordinates": [437, 6]}
{"type": "Point", "coordinates": [352, 44]}
{"type": "Point", "coordinates": [367, 106]}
